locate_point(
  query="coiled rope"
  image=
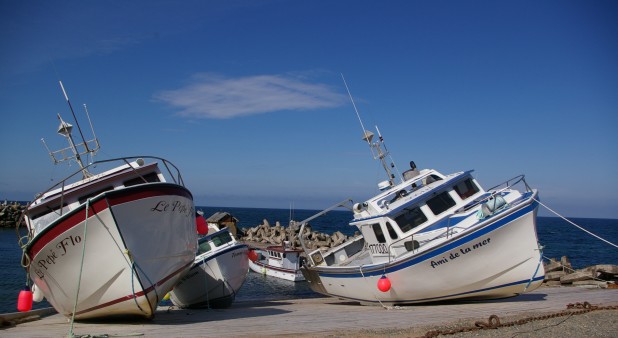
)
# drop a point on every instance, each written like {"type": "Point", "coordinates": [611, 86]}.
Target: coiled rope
{"type": "Point", "coordinates": [494, 322]}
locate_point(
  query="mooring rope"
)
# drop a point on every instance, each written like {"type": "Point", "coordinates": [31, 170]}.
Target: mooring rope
{"type": "Point", "coordinates": [579, 227]}
{"type": "Point", "coordinates": [81, 269]}
{"type": "Point", "coordinates": [537, 268]}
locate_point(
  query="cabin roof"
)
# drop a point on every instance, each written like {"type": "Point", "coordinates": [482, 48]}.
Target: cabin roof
{"type": "Point", "coordinates": [221, 216]}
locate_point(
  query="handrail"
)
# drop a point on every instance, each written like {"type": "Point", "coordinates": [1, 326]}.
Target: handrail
{"type": "Point", "coordinates": [176, 177]}
{"type": "Point", "coordinates": [304, 222]}
{"type": "Point", "coordinates": [517, 179]}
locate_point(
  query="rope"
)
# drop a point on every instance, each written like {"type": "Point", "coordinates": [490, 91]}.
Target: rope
{"type": "Point", "coordinates": [571, 270]}
{"type": "Point", "coordinates": [537, 268]}
{"type": "Point", "coordinates": [360, 268]}
{"type": "Point", "coordinates": [579, 227]}
{"type": "Point", "coordinates": [494, 322]}
{"type": "Point", "coordinates": [81, 269]}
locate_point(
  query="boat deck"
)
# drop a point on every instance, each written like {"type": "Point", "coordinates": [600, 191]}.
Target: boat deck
{"type": "Point", "coordinates": [315, 317]}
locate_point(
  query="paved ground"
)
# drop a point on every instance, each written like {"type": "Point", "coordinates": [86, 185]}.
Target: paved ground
{"type": "Point", "coordinates": [330, 317]}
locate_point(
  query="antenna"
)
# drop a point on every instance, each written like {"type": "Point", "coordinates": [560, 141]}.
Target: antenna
{"type": "Point", "coordinates": [74, 117]}
{"type": "Point", "coordinates": [368, 137]}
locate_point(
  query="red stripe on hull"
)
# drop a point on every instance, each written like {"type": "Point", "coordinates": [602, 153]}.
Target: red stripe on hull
{"type": "Point", "coordinates": [106, 201]}
{"type": "Point", "coordinates": [136, 295]}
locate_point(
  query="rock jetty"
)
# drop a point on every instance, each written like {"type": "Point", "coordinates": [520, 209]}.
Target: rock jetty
{"type": "Point", "coordinates": [561, 273]}
{"type": "Point", "coordinates": [10, 214]}
{"type": "Point", "coordinates": [277, 234]}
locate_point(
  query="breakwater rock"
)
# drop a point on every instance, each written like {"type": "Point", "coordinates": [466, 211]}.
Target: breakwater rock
{"type": "Point", "coordinates": [10, 214]}
{"type": "Point", "coordinates": [561, 273]}
{"type": "Point", "coordinates": [277, 234]}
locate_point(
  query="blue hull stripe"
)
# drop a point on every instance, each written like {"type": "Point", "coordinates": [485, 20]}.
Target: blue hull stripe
{"type": "Point", "coordinates": [232, 248]}
{"type": "Point", "coordinates": [379, 269]}
{"type": "Point", "coordinates": [421, 300]}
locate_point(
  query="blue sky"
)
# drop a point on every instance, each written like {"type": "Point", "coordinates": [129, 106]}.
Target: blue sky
{"type": "Point", "coordinates": [246, 97]}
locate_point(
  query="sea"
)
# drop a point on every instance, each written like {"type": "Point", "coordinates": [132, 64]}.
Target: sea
{"type": "Point", "coordinates": [557, 236]}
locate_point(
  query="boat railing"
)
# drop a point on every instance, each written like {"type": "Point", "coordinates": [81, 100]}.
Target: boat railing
{"type": "Point", "coordinates": [510, 183]}
{"type": "Point", "coordinates": [172, 172]}
{"type": "Point", "coordinates": [347, 203]}
{"type": "Point", "coordinates": [409, 243]}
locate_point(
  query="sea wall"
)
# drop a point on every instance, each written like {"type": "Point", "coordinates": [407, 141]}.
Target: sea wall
{"type": "Point", "coordinates": [10, 214]}
{"type": "Point", "coordinates": [277, 234]}
{"type": "Point", "coordinates": [559, 272]}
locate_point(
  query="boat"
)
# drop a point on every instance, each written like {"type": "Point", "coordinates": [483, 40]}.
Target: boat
{"type": "Point", "coordinates": [429, 237]}
{"type": "Point", "coordinates": [280, 261]}
{"type": "Point", "coordinates": [217, 274]}
{"type": "Point", "coordinates": [110, 239]}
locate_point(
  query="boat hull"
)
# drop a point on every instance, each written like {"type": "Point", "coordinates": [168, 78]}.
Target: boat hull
{"type": "Point", "coordinates": [495, 260]}
{"type": "Point", "coordinates": [95, 260]}
{"type": "Point", "coordinates": [213, 280]}
{"type": "Point", "coordinates": [273, 271]}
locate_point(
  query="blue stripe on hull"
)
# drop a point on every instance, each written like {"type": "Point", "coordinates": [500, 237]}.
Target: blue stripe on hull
{"type": "Point", "coordinates": [446, 297]}
{"type": "Point", "coordinates": [232, 248]}
{"type": "Point", "coordinates": [378, 269]}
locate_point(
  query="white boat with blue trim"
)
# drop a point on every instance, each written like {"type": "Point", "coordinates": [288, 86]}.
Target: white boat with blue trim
{"type": "Point", "coordinates": [218, 272]}
{"type": "Point", "coordinates": [432, 237]}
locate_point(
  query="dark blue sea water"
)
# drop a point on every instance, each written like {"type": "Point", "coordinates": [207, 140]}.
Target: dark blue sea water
{"type": "Point", "coordinates": [558, 237]}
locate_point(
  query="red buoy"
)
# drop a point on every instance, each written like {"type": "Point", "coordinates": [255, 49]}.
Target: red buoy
{"type": "Point", "coordinates": [253, 256]}
{"type": "Point", "coordinates": [384, 284]}
{"type": "Point", "coordinates": [202, 226]}
{"type": "Point", "coordinates": [24, 301]}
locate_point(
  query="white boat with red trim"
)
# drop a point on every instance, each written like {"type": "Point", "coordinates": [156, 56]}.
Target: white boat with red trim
{"type": "Point", "coordinates": [112, 243]}
{"type": "Point", "coordinates": [279, 261]}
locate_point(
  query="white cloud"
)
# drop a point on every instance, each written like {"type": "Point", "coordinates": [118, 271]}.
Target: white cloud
{"type": "Point", "coordinates": [216, 97]}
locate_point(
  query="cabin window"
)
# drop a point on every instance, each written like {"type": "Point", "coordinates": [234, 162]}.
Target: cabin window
{"type": "Point", "coordinates": [221, 238]}
{"type": "Point", "coordinates": [377, 229]}
{"type": "Point", "coordinates": [204, 247]}
{"type": "Point", "coordinates": [440, 203]}
{"type": "Point", "coordinates": [391, 232]}
{"type": "Point", "coordinates": [150, 177]}
{"type": "Point", "coordinates": [410, 219]}
{"type": "Point", "coordinates": [466, 188]}
{"type": "Point", "coordinates": [49, 210]}
{"type": "Point", "coordinates": [83, 199]}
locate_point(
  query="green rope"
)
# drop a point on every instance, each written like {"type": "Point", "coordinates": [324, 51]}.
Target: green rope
{"type": "Point", "coordinates": [81, 269]}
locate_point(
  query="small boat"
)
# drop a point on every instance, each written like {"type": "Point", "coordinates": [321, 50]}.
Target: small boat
{"type": "Point", "coordinates": [111, 243]}
{"type": "Point", "coordinates": [432, 237]}
{"type": "Point", "coordinates": [218, 272]}
{"type": "Point", "coordinates": [279, 261]}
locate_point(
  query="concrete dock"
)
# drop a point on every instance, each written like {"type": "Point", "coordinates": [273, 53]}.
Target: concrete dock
{"type": "Point", "coordinates": [315, 317]}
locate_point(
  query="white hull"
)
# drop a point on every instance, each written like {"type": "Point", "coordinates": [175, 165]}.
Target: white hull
{"type": "Point", "coordinates": [213, 280]}
{"type": "Point", "coordinates": [273, 271]}
{"type": "Point", "coordinates": [121, 272]}
{"type": "Point", "coordinates": [497, 260]}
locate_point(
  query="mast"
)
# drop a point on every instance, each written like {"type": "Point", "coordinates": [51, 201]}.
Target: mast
{"type": "Point", "coordinates": [73, 150]}
{"type": "Point", "coordinates": [375, 147]}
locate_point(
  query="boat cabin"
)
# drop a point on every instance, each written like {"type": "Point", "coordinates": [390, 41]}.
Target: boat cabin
{"type": "Point", "coordinates": [52, 204]}
{"type": "Point", "coordinates": [214, 241]}
{"type": "Point", "coordinates": [406, 217]}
